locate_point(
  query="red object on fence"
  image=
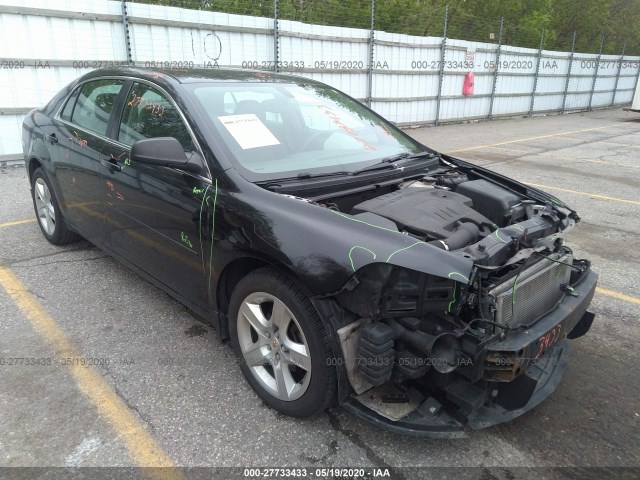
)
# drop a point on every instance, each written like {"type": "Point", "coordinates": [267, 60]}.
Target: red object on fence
{"type": "Point", "coordinates": [469, 80]}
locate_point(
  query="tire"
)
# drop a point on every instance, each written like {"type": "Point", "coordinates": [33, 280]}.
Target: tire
{"type": "Point", "coordinates": [48, 212]}
{"type": "Point", "coordinates": [281, 344]}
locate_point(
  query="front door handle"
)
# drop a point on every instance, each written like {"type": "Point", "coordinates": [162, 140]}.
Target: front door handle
{"type": "Point", "coordinates": [111, 164]}
{"type": "Point", "coordinates": [52, 138]}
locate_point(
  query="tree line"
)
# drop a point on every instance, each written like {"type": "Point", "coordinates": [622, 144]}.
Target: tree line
{"type": "Point", "coordinates": [476, 20]}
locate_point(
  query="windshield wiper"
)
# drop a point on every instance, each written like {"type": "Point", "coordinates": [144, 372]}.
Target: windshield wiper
{"type": "Point", "coordinates": [387, 162]}
{"type": "Point", "coordinates": [304, 176]}
{"type": "Point", "coordinates": [393, 160]}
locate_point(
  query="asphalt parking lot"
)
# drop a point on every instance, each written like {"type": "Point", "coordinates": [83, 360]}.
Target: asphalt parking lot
{"type": "Point", "coordinates": [164, 391]}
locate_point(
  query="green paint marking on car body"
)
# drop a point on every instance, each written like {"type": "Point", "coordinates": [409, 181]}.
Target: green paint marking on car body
{"type": "Point", "coordinates": [453, 299]}
{"type": "Point", "coordinates": [388, 229]}
{"type": "Point", "coordinates": [200, 224]}
{"type": "Point", "coordinates": [213, 230]}
{"type": "Point", "coordinates": [366, 223]}
{"type": "Point", "coordinates": [513, 296]}
{"type": "Point", "coordinates": [185, 239]}
{"type": "Point", "coordinates": [459, 274]}
{"type": "Point", "coordinates": [374, 226]}
{"type": "Point", "coordinates": [363, 248]}
{"type": "Point", "coordinates": [401, 249]}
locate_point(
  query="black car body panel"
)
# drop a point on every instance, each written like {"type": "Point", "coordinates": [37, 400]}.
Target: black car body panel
{"type": "Point", "coordinates": [195, 232]}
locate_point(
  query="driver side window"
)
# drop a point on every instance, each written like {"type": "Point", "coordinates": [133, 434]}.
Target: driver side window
{"type": "Point", "coordinates": [148, 114]}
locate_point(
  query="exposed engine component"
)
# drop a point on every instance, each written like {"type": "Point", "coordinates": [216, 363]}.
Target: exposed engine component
{"type": "Point", "coordinates": [398, 347]}
{"type": "Point", "coordinates": [409, 366]}
{"type": "Point", "coordinates": [431, 214]}
{"type": "Point", "coordinates": [497, 248]}
{"type": "Point", "coordinates": [375, 353]}
{"type": "Point", "coordinates": [442, 350]}
{"type": "Point", "coordinates": [465, 234]}
{"type": "Point", "coordinates": [500, 206]}
{"type": "Point", "coordinates": [536, 291]}
{"type": "Point", "coordinates": [451, 179]}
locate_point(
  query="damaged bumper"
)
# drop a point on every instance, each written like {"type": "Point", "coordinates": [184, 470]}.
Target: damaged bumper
{"type": "Point", "coordinates": [521, 371]}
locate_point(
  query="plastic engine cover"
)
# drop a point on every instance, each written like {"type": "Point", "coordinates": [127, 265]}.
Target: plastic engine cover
{"type": "Point", "coordinates": [433, 212]}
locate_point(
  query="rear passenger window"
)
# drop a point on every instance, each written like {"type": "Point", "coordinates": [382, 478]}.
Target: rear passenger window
{"type": "Point", "coordinates": [68, 108]}
{"type": "Point", "coordinates": [95, 103]}
{"type": "Point", "coordinates": [148, 114]}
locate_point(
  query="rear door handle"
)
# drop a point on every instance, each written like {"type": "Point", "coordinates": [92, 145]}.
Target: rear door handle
{"type": "Point", "coordinates": [52, 138]}
{"type": "Point", "coordinates": [111, 164]}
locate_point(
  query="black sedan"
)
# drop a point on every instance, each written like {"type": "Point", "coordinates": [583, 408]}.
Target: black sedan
{"type": "Point", "coordinates": [343, 260]}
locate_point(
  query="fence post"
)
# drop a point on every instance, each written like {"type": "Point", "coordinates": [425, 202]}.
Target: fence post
{"type": "Point", "coordinates": [276, 38]}
{"type": "Point", "coordinates": [495, 73]}
{"type": "Point", "coordinates": [443, 47]}
{"type": "Point", "coordinates": [566, 85]}
{"type": "Point", "coordinates": [535, 78]}
{"type": "Point", "coordinates": [635, 85]}
{"type": "Point", "coordinates": [595, 75]}
{"type": "Point", "coordinates": [127, 37]}
{"type": "Point", "coordinates": [615, 87]}
{"type": "Point", "coordinates": [371, 46]}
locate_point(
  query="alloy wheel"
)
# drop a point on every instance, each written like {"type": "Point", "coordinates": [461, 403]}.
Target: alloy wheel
{"type": "Point", "coordinates": [274, 346]}
{"type": "Point", "coordinates": [44, 207]}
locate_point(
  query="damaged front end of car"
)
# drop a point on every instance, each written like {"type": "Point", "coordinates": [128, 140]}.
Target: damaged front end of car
{"type": "Point", "coordinates": [430, 351]}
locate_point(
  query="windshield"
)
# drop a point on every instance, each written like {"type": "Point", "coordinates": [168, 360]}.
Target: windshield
{"type": "Point", "coordinates": [280, 130]}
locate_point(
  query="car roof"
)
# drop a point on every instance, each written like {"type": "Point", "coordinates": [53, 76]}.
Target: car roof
{"type": "Point", "coordinates": [170, 77]}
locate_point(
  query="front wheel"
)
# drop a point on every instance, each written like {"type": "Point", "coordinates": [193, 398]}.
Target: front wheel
{"type": "Point", "coordinates": [282, 346]}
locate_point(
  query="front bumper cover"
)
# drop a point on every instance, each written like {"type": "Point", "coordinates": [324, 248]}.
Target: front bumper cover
{"type": "Point", "coordinates": [432, 420]}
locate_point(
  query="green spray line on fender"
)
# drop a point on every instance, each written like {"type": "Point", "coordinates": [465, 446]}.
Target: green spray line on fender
{"type": "Point", "coordinates": [389, 230]}
{"type": "Point", "coordinates": [213, 231]}
{"type": "Point", "coordinates": [204, 196]}
{"type": "Point", "coordinates": [459, 274]}
{"type": "Point", "coordinates": [401, 249]}
{"type": "Point", "coordinates": [366, 223]}
{"type": "Point", "coordinates": [363, 248]}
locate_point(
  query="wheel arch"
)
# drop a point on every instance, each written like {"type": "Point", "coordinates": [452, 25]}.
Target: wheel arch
{"type": "Point", "coordinates": [237, 269]}
{"type": "Point", "coordinates": [232, 273]}
{"type": "Point", "coordinates": [34, 163]}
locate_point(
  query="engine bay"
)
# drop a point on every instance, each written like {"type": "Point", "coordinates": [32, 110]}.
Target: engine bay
{"type": "Point", "coordinates": [418, 336]}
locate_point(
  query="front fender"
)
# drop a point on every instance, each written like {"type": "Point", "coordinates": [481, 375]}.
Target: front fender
{"type": "Point", "coordinates": [324, 248]}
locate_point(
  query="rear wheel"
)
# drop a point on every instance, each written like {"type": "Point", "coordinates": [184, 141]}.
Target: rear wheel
{"type": "Point", "coordinates": [48, 211]}
{"type": "Point", "coordinates": [282, 346]}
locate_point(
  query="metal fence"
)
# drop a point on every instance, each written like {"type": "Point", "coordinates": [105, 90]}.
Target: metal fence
{"type": "Point", "coordinates": [409, 79]}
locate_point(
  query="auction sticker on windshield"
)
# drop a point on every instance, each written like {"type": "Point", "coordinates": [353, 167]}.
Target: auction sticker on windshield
{"type": "Point", "coordinates": [248, 131]}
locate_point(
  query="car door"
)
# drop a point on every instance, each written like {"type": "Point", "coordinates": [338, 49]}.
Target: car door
{"type": "Point", "coordinates": [157, 215]}
{"type": "Point", "coordinates": [80, 133]}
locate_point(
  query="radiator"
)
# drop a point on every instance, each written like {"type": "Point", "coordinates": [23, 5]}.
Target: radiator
{"type": "Point", "coordinates": [537, 291]}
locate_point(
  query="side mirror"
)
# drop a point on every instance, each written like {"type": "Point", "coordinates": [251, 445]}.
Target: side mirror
{"type": "Point", "coordinates": [162, 151]}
